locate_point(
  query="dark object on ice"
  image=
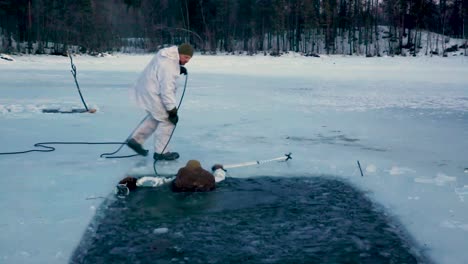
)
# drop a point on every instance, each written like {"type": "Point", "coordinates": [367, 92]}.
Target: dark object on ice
{"type": "Point", "coordinates": [133, 144]}
{"type": "Point", "coordinates": [257, 220]}
{"type": "Point", "coordinates": [193, 178]}
{"type": "Point", "coordinates": [312, 55]}
{"type": "Point", "coordinates": [275, 54]}
{"type": "Point", "coordinates": [70, 111]}
{"type": "Point", "coordinates": [130, 182]}
{"type": "Point", "coordinates": [6, 57]}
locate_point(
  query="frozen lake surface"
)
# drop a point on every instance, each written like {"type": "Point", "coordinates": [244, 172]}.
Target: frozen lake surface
{"type": "Point", "coordinates": [404, 119]}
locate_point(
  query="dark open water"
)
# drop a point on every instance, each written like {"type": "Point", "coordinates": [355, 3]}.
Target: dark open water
{"type": "Point", "coordinates": [260, 220]}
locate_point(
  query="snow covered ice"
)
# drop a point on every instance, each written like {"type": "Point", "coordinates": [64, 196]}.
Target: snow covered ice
{"type": "Point", "coordinates": [405, 119]}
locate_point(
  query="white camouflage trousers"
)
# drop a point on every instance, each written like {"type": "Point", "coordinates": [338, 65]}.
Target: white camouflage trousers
{"type": "Point", "coordinates": [162, 131]}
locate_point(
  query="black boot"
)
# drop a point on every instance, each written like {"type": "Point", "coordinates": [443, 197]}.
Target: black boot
{"type": "Point", "coordinates": [166, 156]}
{"type": "Point", "coordinates": [133, 144]}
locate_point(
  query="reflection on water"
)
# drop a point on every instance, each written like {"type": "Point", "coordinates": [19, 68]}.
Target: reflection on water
{"type": "Point", "coordinates": [260, 220]}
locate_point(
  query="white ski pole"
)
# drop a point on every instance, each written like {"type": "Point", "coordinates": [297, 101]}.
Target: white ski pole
{"type": "Point", "coordinates": [257, 162]}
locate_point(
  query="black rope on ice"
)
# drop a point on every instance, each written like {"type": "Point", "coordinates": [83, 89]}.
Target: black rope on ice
{"type": "Point", "coordinates": [108, 155]}
{"type": "Point", "coordinates": [47, 148]}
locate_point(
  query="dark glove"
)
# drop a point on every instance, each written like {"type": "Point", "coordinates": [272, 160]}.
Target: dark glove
{"type": "Point", "coordinates": [183, 70]}
{"type": "Point", "coordinates": [173, 117]}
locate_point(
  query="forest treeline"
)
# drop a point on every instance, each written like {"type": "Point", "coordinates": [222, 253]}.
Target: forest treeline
{"type": "Point", "coordinates": [365, 27]}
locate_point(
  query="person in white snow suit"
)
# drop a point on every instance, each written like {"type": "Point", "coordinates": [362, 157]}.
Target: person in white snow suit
{"type": "Point", "coordinates": [155, 92]}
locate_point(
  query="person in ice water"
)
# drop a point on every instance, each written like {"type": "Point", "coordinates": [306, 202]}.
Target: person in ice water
{"type": "Point", "coordinates": [191, 178]}
{"type": "Point", "coordinates": [155, 92]}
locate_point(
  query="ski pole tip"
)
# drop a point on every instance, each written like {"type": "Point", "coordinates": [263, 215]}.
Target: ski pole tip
{"type": "Point", "coordinates": [92, 110]}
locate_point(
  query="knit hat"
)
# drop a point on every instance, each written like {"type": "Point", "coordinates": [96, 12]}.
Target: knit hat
{"type": "Point", "coordinates": [192, 164]}
{"type": "Point", "coordinates": [186, 49]}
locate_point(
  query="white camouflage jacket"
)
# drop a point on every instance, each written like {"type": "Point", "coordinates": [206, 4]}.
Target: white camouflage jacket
{"type": "Point", "coordinates": [155, 89]}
